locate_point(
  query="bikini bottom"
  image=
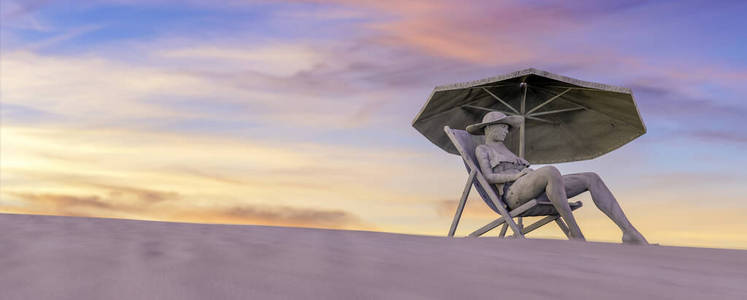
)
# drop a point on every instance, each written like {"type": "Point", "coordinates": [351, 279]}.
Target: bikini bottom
{"type": "Point", "coordinates": [506, 186]}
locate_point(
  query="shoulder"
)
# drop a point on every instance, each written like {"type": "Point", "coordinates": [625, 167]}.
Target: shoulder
{"type": "Point", "coordinates": [493, 153]}
{"type": "Point", "coordinates": [486, 152]}
{"type": "Point", "coordinates": [482, 149]}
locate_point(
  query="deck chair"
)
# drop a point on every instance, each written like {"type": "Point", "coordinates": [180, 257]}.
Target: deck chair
{"type": "Point", "coordinates": [466, 143]}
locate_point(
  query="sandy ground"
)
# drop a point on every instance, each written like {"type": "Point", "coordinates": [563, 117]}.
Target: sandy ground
{"type": "Point", "coordinates": [47, 257]}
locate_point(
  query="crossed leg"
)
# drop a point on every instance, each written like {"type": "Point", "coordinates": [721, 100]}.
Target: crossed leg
{"type": "Point", "coordinates": [547, 183]}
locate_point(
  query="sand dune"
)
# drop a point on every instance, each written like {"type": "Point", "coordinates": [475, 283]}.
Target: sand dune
{"type": "Point", "coordinates": [47, 257]}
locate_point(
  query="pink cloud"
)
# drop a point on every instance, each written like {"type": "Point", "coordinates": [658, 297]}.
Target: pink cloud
{"type": "Point", "coordinates": [485, 32]}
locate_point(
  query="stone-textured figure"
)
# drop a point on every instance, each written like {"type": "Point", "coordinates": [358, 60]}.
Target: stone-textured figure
{"type": "Point", "coordinates": [518, 183]}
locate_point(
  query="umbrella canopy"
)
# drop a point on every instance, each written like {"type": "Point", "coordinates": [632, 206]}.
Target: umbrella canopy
{"type": "Point", "coordinates": [566, 119]}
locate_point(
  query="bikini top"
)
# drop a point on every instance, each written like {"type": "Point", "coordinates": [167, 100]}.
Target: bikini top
{"type": "Point", "coordinates": [500, 162]}
{"type": "Point", "coordinates": [504, 166]}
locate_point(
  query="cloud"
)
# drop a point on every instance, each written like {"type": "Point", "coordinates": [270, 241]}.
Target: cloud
{"type": "Point", "coordinates": [285, 215]}
{"type": "Point", "coordinates": [59, 38]}
{"type": "Point", "coordinates": [15, 9]}
{"type": "Point", "coordinates": [156, 170]}
{"type": "Point", "coordinates": [144, 195]}
{"type": "Point", "coordinates": [274, 60]}
{"type": "Point", "coordinates": [83, 88]}
{"type": "Point", "coordinates": [115, 197]}
{"type": "Point", "coordinates": [92, 205]}
{"type": "Point", "coordinates": [64, 202]}
{"type": "Point", "coordinates": [183, 88]}
{"type": "Point", "coordinates": [666, 100]}
{"type": "Point", "coordinates": [484, 32]}
{"type": "Point", "coordinates": [325, 83]}
{"type": "Point", "coordinates": [738, 136]}
{"type": "Point", "coordinates": [22, 21]}
{"type": "Point", "coordinates": [68, 205]}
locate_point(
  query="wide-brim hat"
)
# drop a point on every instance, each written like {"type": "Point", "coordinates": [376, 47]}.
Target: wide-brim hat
{"type": "Point", "coordinates": [492, 118]}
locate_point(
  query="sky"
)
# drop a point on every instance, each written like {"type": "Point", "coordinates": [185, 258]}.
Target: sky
{"type": "Point", "coordinates": [298, 113]}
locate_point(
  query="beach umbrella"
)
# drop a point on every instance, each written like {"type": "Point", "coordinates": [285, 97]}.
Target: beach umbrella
{"type": "Point", "coordinates": [565, 119]}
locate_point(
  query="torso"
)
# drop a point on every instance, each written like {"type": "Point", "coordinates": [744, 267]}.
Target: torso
{"type": "Point", "coordinates": [503, 160]}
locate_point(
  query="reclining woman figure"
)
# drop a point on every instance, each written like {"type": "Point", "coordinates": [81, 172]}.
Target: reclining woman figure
{"type": "Point", "coordinates": [519, 183]}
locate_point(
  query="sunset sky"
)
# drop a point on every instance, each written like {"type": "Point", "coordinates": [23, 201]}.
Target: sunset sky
{"type": "Point", "coordinates": [297, 113]}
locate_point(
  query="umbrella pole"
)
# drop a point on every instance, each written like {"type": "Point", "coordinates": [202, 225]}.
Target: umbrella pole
{"type": "Point", "coordinates": [521, 128]}
{"type": "Point", "coordinates": [521, 139]}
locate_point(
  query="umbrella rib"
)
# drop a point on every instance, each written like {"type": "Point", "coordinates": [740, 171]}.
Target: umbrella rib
{"type": "Point", "coordinates": [541, 120]}
{"type": "Point", "coordinates": [557, 111]}
{"type": "Point", "coordinates": [485, 109]}
{"type": "Point", "coordinates": [596, 111]}
{"type": "Point", "coordinates": [491, 86]}
{"type": "Point", "coordinates": [549, 100]}
{"type": "Point", "coordinates": [583, 89]}
{"type": "Point", "coordinates": [462, 106]}
{"type": "Point", "coordinates": [500, 100]}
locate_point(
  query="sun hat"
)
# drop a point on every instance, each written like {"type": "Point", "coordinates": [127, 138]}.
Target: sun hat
{"type": "Point", "coordinates": [492, 118]}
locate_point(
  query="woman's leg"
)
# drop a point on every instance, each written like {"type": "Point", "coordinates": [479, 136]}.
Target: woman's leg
{"type": "Point", "coordinates": [548, 180]}
{"type": "Point", "coordinates": [604, 200]}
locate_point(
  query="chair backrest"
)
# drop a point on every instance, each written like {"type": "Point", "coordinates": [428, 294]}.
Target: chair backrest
{"type": "Point", "coordinates": [466, 143]}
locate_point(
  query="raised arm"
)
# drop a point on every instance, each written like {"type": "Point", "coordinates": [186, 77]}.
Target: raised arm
{"type": "Point", "coordinates": [483, 159]}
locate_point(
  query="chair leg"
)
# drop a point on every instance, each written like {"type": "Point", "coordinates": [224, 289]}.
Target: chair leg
{"type": "Point", "coordinates": [493, 197]}
{"type": "Point", "coordinates": [462, 201]}
{"type": "Point", "coordinates": [563, 227]}
{"type": "Point", "coordinates": [521, 224]}
{"type": "Point", "coordinates": [539, 224]}
{"type": "Point", "coordinates": [503, 230]}
{"type": "Point", "coordinates": [497, 222]}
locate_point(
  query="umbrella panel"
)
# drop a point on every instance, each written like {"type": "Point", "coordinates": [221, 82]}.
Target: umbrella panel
{"type": "Point", "coordinates": [582, 123]}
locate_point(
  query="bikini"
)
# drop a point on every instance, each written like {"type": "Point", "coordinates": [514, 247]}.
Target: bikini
{"type": "Point", "coordinates": [507, 165]}
{"type": "Point", "coordinates": [500, 163]}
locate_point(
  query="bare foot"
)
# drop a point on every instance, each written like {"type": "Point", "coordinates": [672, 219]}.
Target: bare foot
{"type": "Point", "coordinates": [633, 237]}
{"type": "Point", "coordinates": [577, 236]}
